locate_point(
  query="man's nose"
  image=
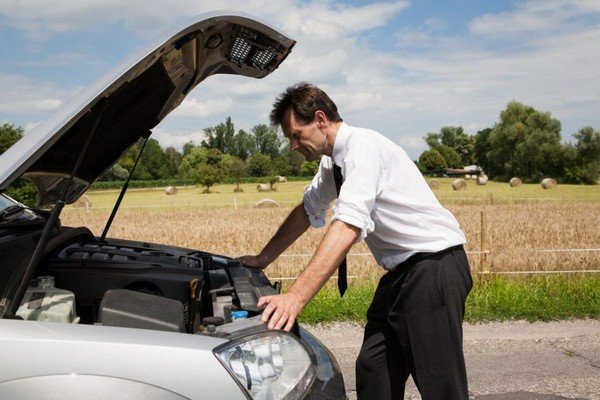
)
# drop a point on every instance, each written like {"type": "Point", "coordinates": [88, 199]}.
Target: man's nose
{"type": "Point", "coordinates": [294, 144]}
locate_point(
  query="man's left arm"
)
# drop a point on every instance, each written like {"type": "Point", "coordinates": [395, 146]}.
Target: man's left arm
{"type": "Point", "coordinates": [282, 310]}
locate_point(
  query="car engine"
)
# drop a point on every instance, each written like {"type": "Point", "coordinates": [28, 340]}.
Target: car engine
{"type": "Point", "coordinates": [140, 285]}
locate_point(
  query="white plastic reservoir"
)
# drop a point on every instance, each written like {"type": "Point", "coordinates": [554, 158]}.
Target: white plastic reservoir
{"type": "Point", "coordinates": [47, 303]}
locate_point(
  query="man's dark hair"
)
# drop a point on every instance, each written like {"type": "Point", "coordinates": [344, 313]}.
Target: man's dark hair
{"type": "Point", "coordinates": [304, 99]}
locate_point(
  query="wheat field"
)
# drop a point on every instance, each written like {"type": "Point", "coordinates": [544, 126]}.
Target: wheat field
{"type": "Point", "coordinates": [519, 235]}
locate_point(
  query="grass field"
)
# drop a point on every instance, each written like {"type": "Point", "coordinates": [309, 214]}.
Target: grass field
{"type": "Point", "coordinates": [527, 227]}
{"type": "Point", "coordinates": [524, 224]}
{"type": "Point", "coordinates": [290, 193]}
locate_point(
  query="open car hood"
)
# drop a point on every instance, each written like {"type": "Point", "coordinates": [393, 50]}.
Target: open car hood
{"type": "Point", "coordinates": [127, 103]}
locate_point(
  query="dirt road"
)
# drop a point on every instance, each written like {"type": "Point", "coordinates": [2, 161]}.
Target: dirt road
{"type": "Point", "coordinates": [508, 360]}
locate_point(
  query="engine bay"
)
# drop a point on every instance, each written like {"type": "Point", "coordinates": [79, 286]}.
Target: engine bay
{"type": "Point", "coordinates": [140, 285]}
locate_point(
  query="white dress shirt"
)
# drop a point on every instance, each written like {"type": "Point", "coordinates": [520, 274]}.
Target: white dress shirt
{"type": "Point", "coordinates": [384, 195]}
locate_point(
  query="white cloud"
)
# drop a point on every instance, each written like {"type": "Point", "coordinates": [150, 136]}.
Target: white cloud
{"type": "Point", "coordinates": [412, 143]}
{"type": "Point", "coordinates": [324, 19]}
{"type": "Point", "coordinates": [177, 139]}
{"type": "Point", "coordinates": [22, 95]}
{"type": "Point", "coordinates": [533, 16]}
{"type": "Point", "coordinates": [544, 53]}
{"type": "Point", "coordinates": [192, 107]}
{"type": "Point", "coordinates": [63, 60]}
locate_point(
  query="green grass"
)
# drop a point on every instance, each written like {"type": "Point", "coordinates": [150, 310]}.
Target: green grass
{"type": "Point", "coordinates": [290, 193]}
{"type": "Point", "coordinates": [221, 196]}
{"type": "Point", "coordinates": [535, 298]}
{"type": "Point", "coordinates": [501, 192]}
{"type": "Point", "coordinates": [497, 299]}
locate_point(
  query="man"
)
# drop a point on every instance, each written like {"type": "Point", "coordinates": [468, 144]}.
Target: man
{"type": "Point", "coordinates": [414, 324]}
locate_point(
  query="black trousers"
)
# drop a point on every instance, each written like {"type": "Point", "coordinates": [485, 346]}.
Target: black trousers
{"type": "Point", "coordinates": [414, 326]}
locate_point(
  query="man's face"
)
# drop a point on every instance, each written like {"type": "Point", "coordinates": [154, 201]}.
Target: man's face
{"type": "Point", "coordinates": [306, 139]}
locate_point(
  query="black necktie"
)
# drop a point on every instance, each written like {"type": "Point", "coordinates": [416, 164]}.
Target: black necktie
{"type": "Point", "coordinates": [342, 273]}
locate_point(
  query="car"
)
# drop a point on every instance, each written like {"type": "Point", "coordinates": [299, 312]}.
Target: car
{"type": "Point", "coordinates": [99, 317]}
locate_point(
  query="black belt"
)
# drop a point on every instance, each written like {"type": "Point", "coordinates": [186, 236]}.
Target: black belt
{"type": "Point", "coordinates": [418, 257]}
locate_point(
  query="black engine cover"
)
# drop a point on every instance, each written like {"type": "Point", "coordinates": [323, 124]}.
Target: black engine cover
{"type": "Point", "coordinates": [92, 268]}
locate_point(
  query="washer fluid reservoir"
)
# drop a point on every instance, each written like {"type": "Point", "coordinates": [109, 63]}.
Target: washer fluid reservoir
{"type": "Point", "coordinates": [45, 302]}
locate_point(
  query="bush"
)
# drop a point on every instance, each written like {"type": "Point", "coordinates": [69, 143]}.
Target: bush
{"type": "Point", "coordinates": [24, 192]}
{"type": "Point", "coordinates": [431, 160]}
{"type": "Point", "coordinates": [143, 184]}
{"type": "Point", "coordinates": [309, 168]}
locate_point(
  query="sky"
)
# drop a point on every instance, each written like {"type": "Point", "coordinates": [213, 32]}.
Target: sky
{"type": "Point", "coordinates": [404, 68]}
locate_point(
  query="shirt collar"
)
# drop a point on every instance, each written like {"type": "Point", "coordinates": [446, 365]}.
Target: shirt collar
{"type": "Point", "coordinates": [339, 146]}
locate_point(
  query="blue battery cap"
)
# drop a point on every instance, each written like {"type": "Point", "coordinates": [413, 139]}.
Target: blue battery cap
{"type": "Point", "coordinates": [239, 315]}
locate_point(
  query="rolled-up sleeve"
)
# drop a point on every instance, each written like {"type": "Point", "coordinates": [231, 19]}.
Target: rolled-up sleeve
{"type": "Point", "coordinates": [362, 176]}
{"type": "Point", "coordinates": [320, 193]}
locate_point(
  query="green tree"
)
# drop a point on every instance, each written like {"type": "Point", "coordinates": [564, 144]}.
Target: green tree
{"type": "Point", "coordinates": [220, 137]}
{"type": "Point", "coordinates": [481, 147]}
{"type": "Point", "coordinates": [9, 135]}
{"type": "Point", "coordinates": [210, 171]}
{"type": "Point", "coordinates": [525, 143]}
{"type": "Point", "coordinates": [187, 148]}
{"type": "Point", "coordinates": [448, 135]}
{"type": "Point", "coordinates": [450, 155]}
{"type": "Point", "coordinates": [115, 173]}
{"type": "Point", "coordinates": [450, 142]}
{"type": "Point", "coordinates": [281, 167]}
{"type": "Point", "coordinates": [433, 140]}
{"type": "Point", "coordinates": [207, 175]}
{"type": "Point", "coordinates": [243, 145]}
{"type": "Point", "coordinates": [431, 160]}
{"type": "Point", "coordinates": [267, 139]}
{"type": "Point", "coordinates": [21, 190]}
{"type": "Point", "coordinates": [309, 168]}
{"type": "Point", "coordinates": [586, 166]}
{"type": "Point", "coordinates": [152, 164]}
{"type": "Point", "coordinates": [588, 144]}
{"type": "Point", "coordinates": [191, 162]}
{"type": "Point", "coordinates": [173, 159]}
{"type": "Point", "coordinates": [464, 145]}
{"type": "Point", "coordinates": [260, 165]}
{"type": "Point", "coordinates": [293, 159]}
{"type": "Point", "coordinates": [237, 170]}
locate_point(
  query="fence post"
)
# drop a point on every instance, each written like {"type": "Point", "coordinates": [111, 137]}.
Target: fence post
{"type": "Point", "coordinates": [484, 267]}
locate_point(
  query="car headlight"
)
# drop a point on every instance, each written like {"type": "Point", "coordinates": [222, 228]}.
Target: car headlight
{"type": "Point", "coordinates": [270, 365]}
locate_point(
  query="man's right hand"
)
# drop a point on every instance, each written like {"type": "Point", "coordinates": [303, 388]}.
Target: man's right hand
{"type": "Point", "coordinates": [258, 261]}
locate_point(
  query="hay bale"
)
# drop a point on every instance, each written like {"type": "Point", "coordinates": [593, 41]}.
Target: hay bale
{"type": "Point", "coordinates": [515, 182]}
{"type": "Point", "coordinates": [281, 179]}
{"type": "Point", "coordinates": [434, 184]}
{"type": "Point", "coordinates": [467, 177]}
{"type": "Point", "coordinates": [171, 190]}
{"type": "Point", "coordinates": [548, 183]}
{"type": "Point", "coordinates": [263, 187]}
{"type": "Point", "coordinates": [482, 179]}
{"type": "Point", "coordinates": [459, 184]}
{"type": "Point", "coordinates": [266, 203]}
{"type": "Point", "coordinates": [83, 201]}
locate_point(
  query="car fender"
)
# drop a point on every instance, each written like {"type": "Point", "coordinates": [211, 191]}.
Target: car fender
{"type": "Point", "coordinates": [75, 386]}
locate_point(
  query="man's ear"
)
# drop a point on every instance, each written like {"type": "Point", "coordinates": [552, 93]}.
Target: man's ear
{"type": "Point", "coordinates": [321, 119]}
